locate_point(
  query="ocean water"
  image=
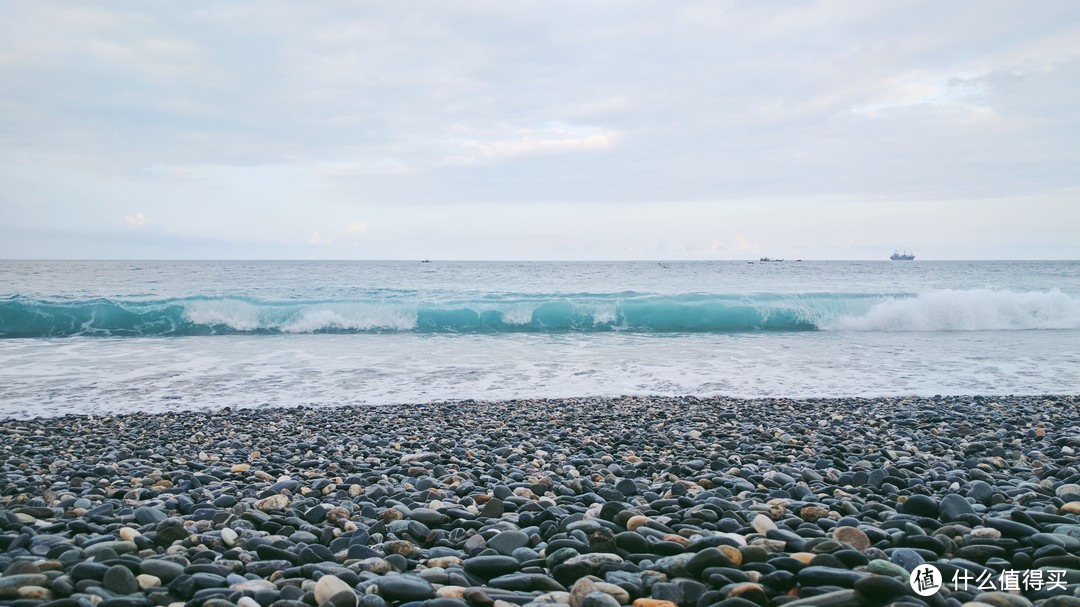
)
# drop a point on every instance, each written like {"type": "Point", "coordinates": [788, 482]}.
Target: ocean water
{"type": "Point", "coordinates": [101, 337]}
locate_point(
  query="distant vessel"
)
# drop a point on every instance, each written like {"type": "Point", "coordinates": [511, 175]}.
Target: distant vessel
{"type": "Point", "coordinates": [905, 256]}
{"type": "Point", "coordinates": [425, 261]}
{"type": "Point", "coordinates": [769, 259]}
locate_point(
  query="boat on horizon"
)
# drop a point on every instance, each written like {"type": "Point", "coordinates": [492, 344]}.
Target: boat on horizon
{"type": "Point", "coordinates": [769, 259]}
{"type": "Point", "coordinates": [904, 256]}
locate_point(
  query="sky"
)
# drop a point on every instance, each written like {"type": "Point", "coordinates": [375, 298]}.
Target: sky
{"type": "Point", "coordinates": [539, 130]}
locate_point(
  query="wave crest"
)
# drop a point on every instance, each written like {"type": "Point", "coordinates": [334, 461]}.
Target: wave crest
{"type": "Point", "coordinates": [946, 310]}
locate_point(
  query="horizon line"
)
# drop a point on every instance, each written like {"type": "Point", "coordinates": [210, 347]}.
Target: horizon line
{"type": "Point", "coordinates": [480, 260]}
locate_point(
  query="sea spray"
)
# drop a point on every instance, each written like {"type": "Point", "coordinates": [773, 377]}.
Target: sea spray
{"type": "Point", "coordinates": [938, 310]}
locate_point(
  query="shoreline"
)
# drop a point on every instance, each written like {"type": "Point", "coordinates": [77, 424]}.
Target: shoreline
{"type": "Point", "coordinates": [594, 502]}
{"type": "Point", "coordinates": [872, 400]}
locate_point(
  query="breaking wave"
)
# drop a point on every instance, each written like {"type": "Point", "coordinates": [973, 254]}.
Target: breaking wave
{"type": "Point", "coordinates": [945, 310]}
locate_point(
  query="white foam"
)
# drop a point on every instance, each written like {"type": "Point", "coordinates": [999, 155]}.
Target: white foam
{"type": "Point", "coordinates": [605, 314]}
{"type": "Point", "coordinates": [359, 317]}
{"type": "Point", "coordinates": [106, 375]}
{"type": "Point", "coordinates": [240, 315]}
{"type": "Point", "coordinates": [520, 313]}
{"type": "Point", "coordinates": [237, 314]}
{"type": "Point", "coordinates": [968, 310]}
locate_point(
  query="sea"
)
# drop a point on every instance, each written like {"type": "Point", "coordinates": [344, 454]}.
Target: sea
{"type": "Point", "coordinates": [107, 337]}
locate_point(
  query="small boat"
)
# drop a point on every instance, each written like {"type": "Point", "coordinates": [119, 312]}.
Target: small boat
{"type": "Point", "coordinates": [905, 256]}
{"type": "Point", "coordinates": [425, 261]}
{"type": "Point", "coordinates": [769, 259]}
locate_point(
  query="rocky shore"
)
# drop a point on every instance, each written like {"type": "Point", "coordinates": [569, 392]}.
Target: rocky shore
{"type": "Point", "coordinates": [652, 502]}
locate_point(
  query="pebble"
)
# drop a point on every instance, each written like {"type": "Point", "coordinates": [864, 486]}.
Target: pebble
{"type": "Point", "coordinates": [921, 505]}
{"type": "Point", "coordinates": [491, 566]}
{"type": "Point", "coordinates": [404, 587]}
{"type": "Point", "coordinates": [955, 508]}
{"type": "Point", "coordinates": [508, 541]}
{"type": "Point", "coordinates": [163, 569]}
{"type": "Point", "coordinates": [852, 537]}
{"type": "Point", "coordinates": [329, 586]}
{"type": "Point", "coordinates": [596, 502]}
{"type": "Point", "coordinates": [763, 524]}
{"type": "Point", "coordinates": [121, 580]}
{"type": "Point", "coordinates": [273, 503]}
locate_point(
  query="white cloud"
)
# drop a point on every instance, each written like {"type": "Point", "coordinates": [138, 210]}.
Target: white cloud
{"type": "Point", "coordinates": [356, 227]}
{"type": "Point", "coordinates": [366, 166]}
{"type": "Point", "coordinates": [739, 245]}
{"type": "Point", "coordinates": [318, 239]}
{"type": "Point", "coordinates": [554, 138]}
{"type": "Point", "coordinates": [137, 220]}
{"type": "Point", "coordinates": [237, 112]}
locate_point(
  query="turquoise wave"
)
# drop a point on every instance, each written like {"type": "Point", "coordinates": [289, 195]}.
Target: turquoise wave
{"type": "Point", "coordinates": [945, 310]}
{"type": "Point", "coordinates": [23, 317]}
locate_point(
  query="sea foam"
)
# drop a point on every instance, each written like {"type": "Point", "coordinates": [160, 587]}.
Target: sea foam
{"type": "Point", "coordinates": [939, 310]}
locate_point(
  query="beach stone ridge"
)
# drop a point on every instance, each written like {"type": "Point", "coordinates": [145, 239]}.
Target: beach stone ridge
{"type": "Point", "coordinates": [589, 502]}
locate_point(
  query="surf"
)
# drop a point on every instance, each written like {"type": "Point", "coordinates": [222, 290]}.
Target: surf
{"type": "Point", "coordinates": [944, 310]}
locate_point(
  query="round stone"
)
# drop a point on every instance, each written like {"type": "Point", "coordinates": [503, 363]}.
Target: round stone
{"type": "Point", "coordinates": [853, 537]}
{"type": "Point", "coordinates": [1070, 508]}
{"type": "Point", "coordinates": [955, 508]}
{"type": "Point", "coordinates": [404, 587]}
{"type": "Point", "coordinates": [598, 599]}
{"type": "Point", "coordinates": [328, 586]}
{"type": "Point", "coordinates": [508, 541]}
{"type": "Point", "coordinates": [273, 503]}
{"type": "Point", "coordinates": [921, 505]}
{"type": "Point", "coordinates": [762, 524]}
{"type": "Point", "coordinates": [121, 580]}
{"type": "Point", "coordinates": [162, 569]}
{"type": "Point", "coordinates": [490, 566]}
{"type": "Point", "coordinates": [1067, 489]}
{"type": "Point", "coordinates": [907, 558]}
{"type": "Point", "coordinates": [881, 588]}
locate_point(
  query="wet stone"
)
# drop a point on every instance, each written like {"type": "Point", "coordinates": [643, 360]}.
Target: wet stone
{"type": "Point", "coordinates": [598, 599]}
{"type": "Point", "coordinates": [1011, 528]}
{"type": "Point", "coordinates": [954, 508]}
{"type": "Point", "coordinates": [146, 515]}
{"type": "Point", "coordinates": [906, 558]}
{"type": "Point", "coordinates": [653, 501]}
{"type": "Point", "coordinates": [405, 587]}
{"type": "Point", "coordinates": [852, 537]}
{"type": "Point", "coordinates": [921, 505]}
{"type": "Point", "coordinates": [508, 541]}
{"type": "Point", "coordinates": [121, 580]}
{"type": "Point", "coordinates": [881, 588]}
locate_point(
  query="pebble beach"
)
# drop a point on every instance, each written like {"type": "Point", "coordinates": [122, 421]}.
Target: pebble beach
{"type": "Point", "coordinates": [597, 502]}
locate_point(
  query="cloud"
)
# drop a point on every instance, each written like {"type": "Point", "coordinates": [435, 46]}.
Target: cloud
{"type": "Point", "coordinates": [137, 220]}
{"type": "Point", "coordinates": [366, 166]}
{"type": "Point", "coordinates": [555, 138]}
{"type": "Point", "coordinates": [408, 104]}
{"type": "Point", "coordinates": [234, 112]}
{"type": "Point", "coordinates": [318, 239]}
{"type": "Point", "coordinates": [737, 246]}
{"type": "Point", "coordinates": [356, 227]}
{"type": "Point", "coordinates": [741, 244]}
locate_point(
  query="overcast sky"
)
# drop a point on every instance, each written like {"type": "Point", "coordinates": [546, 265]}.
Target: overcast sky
{"type": "Point", "coordinates": [540, 130]}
